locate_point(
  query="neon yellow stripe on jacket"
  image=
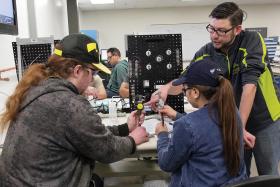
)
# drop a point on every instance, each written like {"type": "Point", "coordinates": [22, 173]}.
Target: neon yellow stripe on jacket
{"type": "Point", "coordinates": [201, 57]}
{"type": "Point", "coordinates": [195, 60]}
{"type": "Point", "coordinates": [266, 84]}
{"type": "Point", "coordinates": [245, 55]}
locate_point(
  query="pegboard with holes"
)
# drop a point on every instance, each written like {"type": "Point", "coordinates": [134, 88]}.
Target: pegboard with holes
{"type": "Point", "coordinates": [29, 51]}
{"type": "Point", "coordinates": [154, 60]}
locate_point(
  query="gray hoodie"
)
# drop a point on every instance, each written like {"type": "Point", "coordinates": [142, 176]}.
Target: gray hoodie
{"type": "Point", "coordinates": [56, 139]}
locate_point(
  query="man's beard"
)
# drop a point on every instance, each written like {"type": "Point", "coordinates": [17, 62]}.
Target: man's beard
{"type": "Point", "coordinates": [227, 45]}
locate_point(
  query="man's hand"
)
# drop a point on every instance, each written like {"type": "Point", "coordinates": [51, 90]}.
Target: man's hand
{"type": "Point", "coordinates": [156, 96]}
{"type": "Point", "coordinates": [249, 139]}
{"type": "Point", "coordinates": [246, 103]}
{"type": "Point", "coordinates": [91, 91]}
{"type": "Point", "coordinates": [139, 135]}
{"type": "Point", "coordinates": [134, 120]}
{"type": "Point", "coordinates": [164, 90]}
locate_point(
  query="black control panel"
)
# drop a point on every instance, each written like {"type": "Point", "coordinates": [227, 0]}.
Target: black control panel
{"type": "Point", "coordinates": [154, 60]}
{"type": "Point", "coordinates": [33, 53]}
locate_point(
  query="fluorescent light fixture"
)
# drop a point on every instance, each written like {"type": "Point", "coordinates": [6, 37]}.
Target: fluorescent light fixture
{"type": "Point", "coordinates": [100, 2]}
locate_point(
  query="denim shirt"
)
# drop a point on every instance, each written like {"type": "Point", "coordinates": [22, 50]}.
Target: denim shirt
{"type": "Point", "coordinates": [194, 153]}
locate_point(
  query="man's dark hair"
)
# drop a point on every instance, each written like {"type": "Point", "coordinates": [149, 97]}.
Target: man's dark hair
{"type": "Point", "coordinates": [114, 51]}
{"type": "Point", "coordinates": [228, 10]}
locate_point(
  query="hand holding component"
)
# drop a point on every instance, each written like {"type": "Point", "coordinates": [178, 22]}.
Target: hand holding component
{"type": "Point", "coordinates": [160, 128]}
{"type": "Point", "coordinates": [139, 135]}
{"type": "Point", "coordinates": [139, 108]}
{"type": "Point", "coordinates": [168, 111]}
{"type": "Point", "coordinates": [160, 106]}
{"type": "Point", "coordinates": [163, 92]}
{"type": "Point", "coordinates": [133, 121]}
{"type": "Point", "coordinates": [91, 92]}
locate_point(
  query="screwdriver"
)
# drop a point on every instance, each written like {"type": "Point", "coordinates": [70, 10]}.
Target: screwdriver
{"type": "Point", "coordinates": [160, 106]}
{"type": "Point", "coordinates": [139, 108]}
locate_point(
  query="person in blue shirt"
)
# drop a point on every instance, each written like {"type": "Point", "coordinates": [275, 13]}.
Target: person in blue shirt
{"type": "Point", "coordinates": [205, 147]}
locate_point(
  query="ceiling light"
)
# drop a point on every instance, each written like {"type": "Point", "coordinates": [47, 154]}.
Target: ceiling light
{"type": "Point", "coordinates": [100, 2]}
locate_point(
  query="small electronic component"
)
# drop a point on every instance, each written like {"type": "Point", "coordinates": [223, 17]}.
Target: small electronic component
{"type": "Point", "coordinates": [139, 107]}
{"type": "Point", "coordinates": [160, 105]}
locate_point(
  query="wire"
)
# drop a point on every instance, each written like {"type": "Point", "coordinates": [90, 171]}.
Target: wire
{"type": "Point", "coordinates": [124, 103]}
{"type": "Point", "coordinates": [93, 98]}
{"type": "Point", "coordinates": [103, 107]}
{"type": "Point", "coordinates": [35, 59]}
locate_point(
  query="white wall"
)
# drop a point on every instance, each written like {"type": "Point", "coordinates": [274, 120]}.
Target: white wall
{"type": "Point", "coordinates": [264, 16]}
{"type": "Point", "coordinates": [113, 25]}
{"type": "Point", "coordinates": [51, 19]}
{"type": "Point", "coordinates": [6, 52]}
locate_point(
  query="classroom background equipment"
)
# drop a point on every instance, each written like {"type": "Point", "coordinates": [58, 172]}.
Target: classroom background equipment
{"type": "Point", "coordinates": [153, 61]}
{"type": "Point", "coordinates": [28, 51]}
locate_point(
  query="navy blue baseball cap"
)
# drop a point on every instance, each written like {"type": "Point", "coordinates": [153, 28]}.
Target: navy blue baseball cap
{"type": "Point", "coordinates": [204, 72]}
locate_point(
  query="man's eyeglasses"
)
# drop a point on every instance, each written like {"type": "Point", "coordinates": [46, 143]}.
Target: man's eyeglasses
{"type": "Point", "coordinates": [93, 71]}
{"type": "Point", "coordinates": [184, 90]}
{"type": "Point", "coordinates": [109, 57]}
{"type": "Point", "coordinates": [220, 32]}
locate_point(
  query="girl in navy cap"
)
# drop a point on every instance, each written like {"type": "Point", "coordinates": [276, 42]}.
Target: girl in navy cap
{"type": "Point", "coordinates": [205, 148]}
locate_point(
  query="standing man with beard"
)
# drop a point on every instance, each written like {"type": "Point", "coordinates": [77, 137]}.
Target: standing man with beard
{"type": "Point", "coordinates": [242, 56]}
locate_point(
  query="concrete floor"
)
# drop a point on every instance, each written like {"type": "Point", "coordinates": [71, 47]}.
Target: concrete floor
{"type": "Point", "coordinates": [136, 181]}
{"type": "Point", "coordinates": [254, 171]}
